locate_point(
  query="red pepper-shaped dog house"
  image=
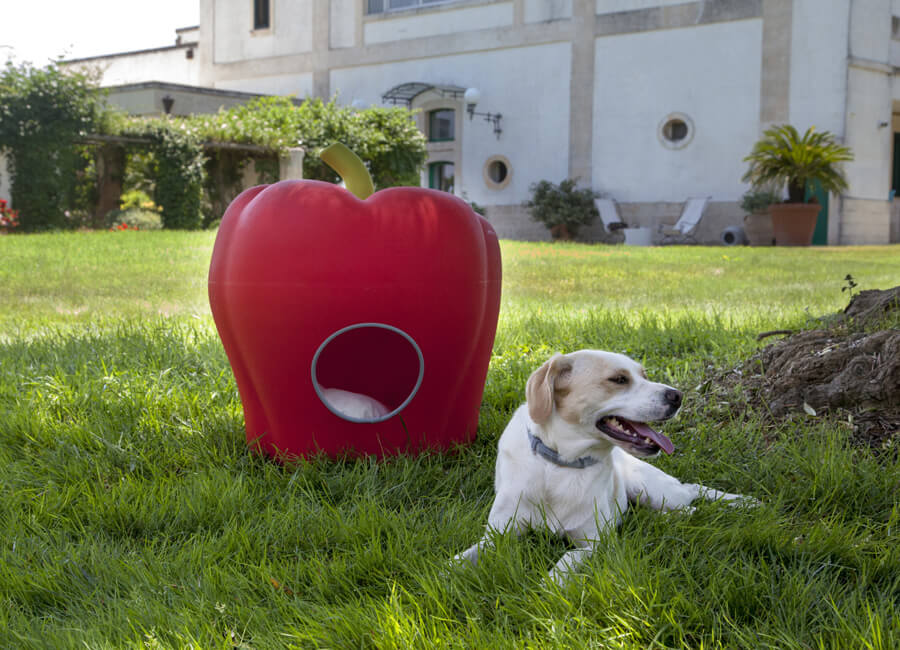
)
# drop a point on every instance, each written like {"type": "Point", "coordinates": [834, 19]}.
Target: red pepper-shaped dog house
{"type": "Point", "coordinates": [394, 297]}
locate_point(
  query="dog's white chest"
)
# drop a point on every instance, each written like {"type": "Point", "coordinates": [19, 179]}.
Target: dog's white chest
{"type": "Point", "coordinates": [570, 501]}
{"type": "Point", "coordinates": [583, 499]}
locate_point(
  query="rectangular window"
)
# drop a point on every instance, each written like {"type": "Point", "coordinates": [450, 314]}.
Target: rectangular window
{"type": "Point", "coordinates": [440, 176]}
{"type": "Point", "coordinates": [383, 6]}
{"type": "Point", "coordinates": [440, 125]}
{"type": "Point", "coordinates": [261, 14]}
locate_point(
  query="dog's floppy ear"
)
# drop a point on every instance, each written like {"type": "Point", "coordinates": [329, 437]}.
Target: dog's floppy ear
{"type": "Point", "coordinates": [541, 386]}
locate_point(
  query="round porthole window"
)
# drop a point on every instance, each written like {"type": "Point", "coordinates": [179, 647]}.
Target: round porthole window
{"type": "Point", "coordinates": [676, 130]}
{"type": "Point", "coordinates": [497, 172]}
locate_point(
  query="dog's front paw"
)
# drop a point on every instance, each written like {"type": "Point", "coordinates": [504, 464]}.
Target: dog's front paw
{"type": "Point", "coordinates": [455, 564]}
{"type": "Point", "coordinates": [469, 557]}
{"type": "Point", "coordinates": [555, 579]}
{"type": "Point", "coordinates": [742, 501]}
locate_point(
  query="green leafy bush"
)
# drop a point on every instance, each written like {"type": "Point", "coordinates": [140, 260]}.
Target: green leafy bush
{"type": "Point", "coordinates": [44, 112]}
{"type": "Point", "coordinates": [386, 139]}
{"type": "Point", "coordinates": [759, 200]}
{"type": "Point", "coordinates": [137, 199]}
{"type": "Point", "coordinates": [138, 218]}
{"type": "Point", "coordinates": [177, 167]}
{"type": "Point", "coordinates": [562, 208]}
{"type": "Point", "coordinates": [48, 115]}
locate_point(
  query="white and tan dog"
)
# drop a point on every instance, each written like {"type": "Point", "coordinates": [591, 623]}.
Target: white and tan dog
{"type": "Point", "coordinates": [568, 457]}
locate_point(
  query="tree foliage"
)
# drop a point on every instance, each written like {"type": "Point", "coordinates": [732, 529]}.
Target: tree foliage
{"type": "Point", "coordinates": [43, 114]}
{"type": "Point", "coordinates": [562, 208]}
{"type": "Point", "coordinates": [386, 139]}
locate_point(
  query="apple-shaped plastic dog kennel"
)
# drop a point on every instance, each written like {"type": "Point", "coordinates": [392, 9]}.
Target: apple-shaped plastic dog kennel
{"type": "Point", "coordinates": [323, 299]}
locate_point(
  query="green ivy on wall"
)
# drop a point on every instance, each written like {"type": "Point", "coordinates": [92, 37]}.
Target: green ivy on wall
{"type": "Point", "coordinates": [178, 169]}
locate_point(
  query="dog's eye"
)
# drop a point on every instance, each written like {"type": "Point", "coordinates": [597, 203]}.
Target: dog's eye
{"type": "Point", "coordinates": [619, 379]}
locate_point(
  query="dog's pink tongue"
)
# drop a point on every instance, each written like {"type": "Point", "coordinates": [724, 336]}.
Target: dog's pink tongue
{"type": "Point", "coordinates": [643, 430]}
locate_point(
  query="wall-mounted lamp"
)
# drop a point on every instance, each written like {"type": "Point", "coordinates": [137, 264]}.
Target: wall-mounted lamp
{"type": "Point", "coordinates": [471, 97]}
{"type": "Point", "coordinates": [168, 101]}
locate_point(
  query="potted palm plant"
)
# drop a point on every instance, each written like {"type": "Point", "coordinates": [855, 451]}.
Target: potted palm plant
{"type": "Point", "coordinates": [784, 158]}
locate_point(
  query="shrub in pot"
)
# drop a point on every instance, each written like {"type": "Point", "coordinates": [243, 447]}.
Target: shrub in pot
{"type": "Point", "coordinates": [758, 221]}
{"type": "Point", "coordinates": [562, 208]}
{"type": "Point", "coordinates": [784, 158]}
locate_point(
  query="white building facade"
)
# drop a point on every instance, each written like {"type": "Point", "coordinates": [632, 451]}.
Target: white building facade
{"type": "Point", "coordinates": [647, 101]}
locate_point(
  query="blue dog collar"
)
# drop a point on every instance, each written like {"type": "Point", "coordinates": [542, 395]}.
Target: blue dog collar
{"type": "Point", "coordinates": [538, 447]}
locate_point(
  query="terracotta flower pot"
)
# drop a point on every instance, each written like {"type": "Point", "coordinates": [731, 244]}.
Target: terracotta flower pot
{"type": "Point", "coordinates": [794, 223]}
{"type": "Point", "coordinates": [561, 232]}
{"type": "Point", "coordinates": [758, 228]}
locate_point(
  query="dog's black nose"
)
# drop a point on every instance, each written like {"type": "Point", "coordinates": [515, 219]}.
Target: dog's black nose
{"type": "Point", "coordinates": [673, 397]}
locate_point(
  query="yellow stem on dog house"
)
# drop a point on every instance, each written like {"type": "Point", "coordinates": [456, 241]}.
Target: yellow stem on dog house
{"type": "Point", "coordinates": [350, 168]}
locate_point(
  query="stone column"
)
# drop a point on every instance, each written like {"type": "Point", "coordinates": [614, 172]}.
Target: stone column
{"type": "Point", "coordinates": [775, 81]}
{"type": "Point", "coordinates": [321, 77]}
{"type": "Point", "coordinates": [581, 93]}
{"type": "Point", "coordinates": [4, 180]}
{"type": "Point", "coordinates": [865, 209]}
{"type": "Point", "coordinates": [110, 160]}
{"type": "Point", "coordinates": [290, 166]}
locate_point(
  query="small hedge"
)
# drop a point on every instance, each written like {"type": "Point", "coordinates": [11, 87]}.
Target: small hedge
{"type": "Point", "coordinates": [562, 208]}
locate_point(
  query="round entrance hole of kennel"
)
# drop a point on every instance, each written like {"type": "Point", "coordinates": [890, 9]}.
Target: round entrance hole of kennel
{"type": "Point", "coordinates": [373, 361]}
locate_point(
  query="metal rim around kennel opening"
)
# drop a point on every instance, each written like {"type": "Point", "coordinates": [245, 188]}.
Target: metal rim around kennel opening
{"type": "Point", "coordinates": [318, 388]}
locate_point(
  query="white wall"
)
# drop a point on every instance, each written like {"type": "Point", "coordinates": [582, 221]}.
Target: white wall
{"type": "Point", "coordinates": [819, 64]}
{"type": "Point", "coordinates": [528, 86]}
{"type": "Point", "coordinates": [611, 6]}
{"type": "Point", "coordinates": [235, 40]}
{"type": "Point", "coordinates": [895, 54]}
{"type": "Point", "coordinates": [711, 73]}
{"type": "Point", "coordinates": [342, 23]}
{"type": "Point", "coordinates": [869, 174]}
{"type": "Point", "coordinates": [870, 29]}
{"type": "Point", "coordinates": [299, 85]}
{"type": "Point", "coordinates": [869, 100]}
{"type": "Point", "coordinates": [171, 65]}
{"type": "Point", "coordinates": [538, 11]}
{"type": "Point", "coordinates": [895, 90]}
{"type": "Point", "coordinates": [433, 23]}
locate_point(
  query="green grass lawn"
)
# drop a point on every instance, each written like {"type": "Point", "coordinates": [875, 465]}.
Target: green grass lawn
{"type": "Point", "coordinates": [133, 516]}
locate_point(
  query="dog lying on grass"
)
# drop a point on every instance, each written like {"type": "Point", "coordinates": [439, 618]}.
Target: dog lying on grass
{"type": "Point", "coordinates": [569, 457]}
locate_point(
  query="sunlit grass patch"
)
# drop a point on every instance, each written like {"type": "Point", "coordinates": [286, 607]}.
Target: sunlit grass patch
{"type": "Point", "coordinates": [133, 515]}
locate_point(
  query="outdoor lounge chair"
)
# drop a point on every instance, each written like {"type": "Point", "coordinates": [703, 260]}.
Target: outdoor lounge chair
{"type": "Point", "coordinates": [609, 215]}
{"type": "Point", "coordinates": [683, 230]}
